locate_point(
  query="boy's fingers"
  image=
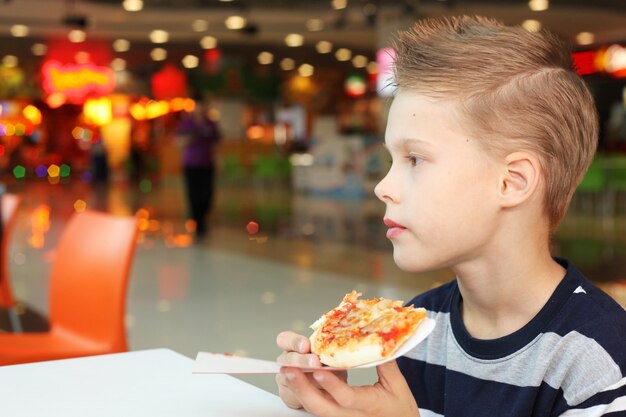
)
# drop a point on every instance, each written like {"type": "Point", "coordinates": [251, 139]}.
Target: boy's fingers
{"type": "Point", "coordinates": [299, 360]}
{"type": "Point", "coordinates": [338, 389]}
{"type": "Point", "coordinates": [390, 376]}
{"type": "Point", "coordinates": [293, 342]}
{"type": "Point", "coordinates": [312, 399]}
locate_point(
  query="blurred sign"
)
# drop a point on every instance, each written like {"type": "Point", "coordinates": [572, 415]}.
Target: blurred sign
{"type": "Point", "coordinates": [77, 81]}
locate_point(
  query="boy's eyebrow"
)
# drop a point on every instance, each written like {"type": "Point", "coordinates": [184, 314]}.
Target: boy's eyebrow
{"type": "Point", "coordinates": [410, 141]}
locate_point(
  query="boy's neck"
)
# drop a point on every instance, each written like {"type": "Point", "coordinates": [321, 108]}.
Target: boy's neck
{"type": "Point", "coordinates": [500, 296]}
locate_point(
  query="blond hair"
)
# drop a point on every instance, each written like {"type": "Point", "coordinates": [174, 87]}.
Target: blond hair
{"type": "Point", "coordinates": [516, 89]}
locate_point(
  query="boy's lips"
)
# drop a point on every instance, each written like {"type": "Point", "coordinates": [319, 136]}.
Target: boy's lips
{"type": "Point", "coordinates": [394, 228]}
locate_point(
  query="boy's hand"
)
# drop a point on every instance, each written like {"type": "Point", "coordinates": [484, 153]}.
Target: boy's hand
{"type": "Point", "coordinates": [326, 393]}
{"type": "Point", "coordinates": [296, 351]}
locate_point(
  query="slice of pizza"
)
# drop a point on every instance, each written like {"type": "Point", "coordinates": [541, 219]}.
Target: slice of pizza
{"type": "Point", "coordinates": [359, 331]}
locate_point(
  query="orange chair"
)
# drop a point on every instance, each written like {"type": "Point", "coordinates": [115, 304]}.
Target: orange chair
{"type": "Point", "coordinates": [8, 207]}
{"type": "Point", "coordinates": [88, 284]}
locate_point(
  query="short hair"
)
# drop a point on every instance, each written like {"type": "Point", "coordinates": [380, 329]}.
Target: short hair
{"type": "Point", "coordinates": [515, 89]}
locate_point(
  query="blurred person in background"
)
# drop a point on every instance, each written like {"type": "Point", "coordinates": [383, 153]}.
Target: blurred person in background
{"type": "Point", "coordinates": [199, 136]}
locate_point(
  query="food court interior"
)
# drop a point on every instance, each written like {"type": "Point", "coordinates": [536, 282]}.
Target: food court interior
{"type": "Point", "coordinates": [91, 92]}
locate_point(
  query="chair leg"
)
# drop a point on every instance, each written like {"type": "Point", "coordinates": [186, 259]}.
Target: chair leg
{"type": "Point", "coordinates": [14, 319]}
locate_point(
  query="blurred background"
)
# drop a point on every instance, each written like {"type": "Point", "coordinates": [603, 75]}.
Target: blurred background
{"type": "Point", "coordinates": [91, 96]}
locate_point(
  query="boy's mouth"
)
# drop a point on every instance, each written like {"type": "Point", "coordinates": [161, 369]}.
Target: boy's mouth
{"type": "Point", "coordinates": [394, 228]}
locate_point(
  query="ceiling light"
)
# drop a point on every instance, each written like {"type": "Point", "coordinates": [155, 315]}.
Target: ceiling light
{"type": "Point", "coordinates": [39, 49]}
{"type": "Point", "coordinates": [121, 45]}
{"type": "Point", "coordinates": [159, 36]}
{"type": "Point", "coordinates": [343, 54]}
{"type": "Point", "coordinates": [208, 42]}
{"type": "Point", "coordinates": [118, 64]}
{"type": "Point", "coordinates": [265, 58]}
{"type": "Point", "coordinates": [359, 61]}
{"type": "Point", "coordinates": [294, 40]}
{"type": "Point", "coordinates": [235, 22]}
{"type": "Point", "coordinates": [76, 35]}
{"type": "Point", "coordinates": [538, 5]}
{"type": "Point", "coordinates": [10, 61]}
{"type": "Point", "coordinates": [199, 25]}
{"type": "Point", "coordinates": [339, 4]}
{"type": "Point", "coordinates": [19, 31]}
{"type": "Point", "coordinates": [287, 64]}
{"type": "Point", "coordinates": [306, 70]}
{"type": "Point", "coordinates": [190, 61]}
{"type": "Point", "coordinates": [158, 54]}
{"type": "Point", "coordinates": [531, 25]}
{"type": "Point", "coordinates": [324, 47]}
{"type": "Point", "coordinates": [132, 5]}
{"type": "Point", "coordinates": [315, 25]}
{"type": "Point", "coordinates": [585, 38]}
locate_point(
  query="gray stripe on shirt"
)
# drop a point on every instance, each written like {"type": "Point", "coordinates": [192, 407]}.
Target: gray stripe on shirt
{"type": "Point", "coordinates": [575, 363]}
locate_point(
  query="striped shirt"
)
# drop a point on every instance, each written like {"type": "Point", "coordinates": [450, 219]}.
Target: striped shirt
{"type": "Point", "coordinates": [569, 360]}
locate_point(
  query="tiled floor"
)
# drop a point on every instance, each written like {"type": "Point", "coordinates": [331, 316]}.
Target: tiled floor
{"type": "Point", "coordinates": [233, 292]}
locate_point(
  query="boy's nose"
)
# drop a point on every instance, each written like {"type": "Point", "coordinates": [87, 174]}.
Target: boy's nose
{"type": "Point", "coordinates": [381, 190]}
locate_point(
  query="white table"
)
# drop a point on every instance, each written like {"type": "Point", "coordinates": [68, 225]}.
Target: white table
{"type": "Point", "coordinates": [150, 383]}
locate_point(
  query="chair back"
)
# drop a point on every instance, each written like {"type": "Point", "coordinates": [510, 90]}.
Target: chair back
{"type": "Point", "coordinates": [89, 277]}
{"type": "Point", "coordinates": [10, 203]}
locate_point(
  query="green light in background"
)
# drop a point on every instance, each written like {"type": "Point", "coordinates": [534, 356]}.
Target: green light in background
{"type": "Point", "coordinates": [65, 170]}
{"type": "Point", "coordinates": [19, 171]}
{"type": "Point", "coordinates": [145, 185]}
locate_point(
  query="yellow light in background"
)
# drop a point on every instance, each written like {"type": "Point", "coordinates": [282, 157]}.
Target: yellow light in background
{"type": "Point", "coordinates": [80, 205]}
{"type": "Point", "coordinates": [531, 25]}
{"type": "Point", "coordinates": [121, 45]}
{"type": "Point", "coordinates": [343, 54]}
{"type": "Point", "coordinates": [359, 61]}
{"type": "Point", "coordinates": [324, 47]}
{"type": "Point", "coordinates": [339, 4]}
{"type": "Point", "coordinates": [77, 36]}
{"type": "Point", "coordinates": [287, 64]}
{"type": "Point", "coordinates": [19, 31]}
{"type": "Point", "coordinates": [138, 111]}
{"type": "Point", "coordinates": [132, 5]}
{"type": "Point", "coordinates": [306, 70]}
{"type": "Point", "coordinates": [199, 25]}
{"type": "Point", "coordinates": [158, 54]}
{"type": "Point", "coordinates": [32, 113]}
{"type": "Point", "coordinates": [98, 111]}
{"type": "Point", "coordinates": [10, 61]}
{"type": "Point", "coordinates": [55, 100]}
{"type": "Point", "coordinates": [159, 36]}
{"type": "Point", "coordinates": [538, 5]}
{"type": "Point", "coordinates": [189, 105]}
{"type": "Point", "coordinates": [54, 171]}
{"type": "Point", "coordinates": [585, 38]}
{"type": "Point", "coordinates": [118, 64]}
{"type": "Point", "coordinates": [208, 42]}
{"type": "Point", "coordinates": [190, 61]}
{"type": "Point", "coordinates": [156, 109]}
{"type": "Point", "coordinates": [177, 104]}
{"type": "Point", "coordinates": [294, 40]}
{"type": "Point", "coordinates": [315, 25]}
{"type": "Point", "coordinates": [265, 58]}
{"type": "Point", "coordinates": [39, 49]}
{"type": "Point", "coordinates": [235, 22]}
{"type": "Point", "coordinates": [40, 224]}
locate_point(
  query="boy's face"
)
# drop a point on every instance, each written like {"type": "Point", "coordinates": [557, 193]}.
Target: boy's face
{"type": "Point", "coordinates": [441, 190]}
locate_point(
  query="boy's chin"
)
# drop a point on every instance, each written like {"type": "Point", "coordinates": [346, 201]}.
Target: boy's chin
{"type": "Point", "coordinates": [412, 263]}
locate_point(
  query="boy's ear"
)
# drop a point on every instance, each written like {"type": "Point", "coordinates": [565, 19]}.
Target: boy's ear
{"type": "Point", "coordinates": [520, 178]}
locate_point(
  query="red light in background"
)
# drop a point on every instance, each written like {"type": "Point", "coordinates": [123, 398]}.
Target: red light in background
{"type": "Point", "coordinates": [585, 62]}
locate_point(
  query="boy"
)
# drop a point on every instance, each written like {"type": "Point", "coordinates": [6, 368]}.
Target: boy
{"type": "Point", "coordinates": [490, 132]}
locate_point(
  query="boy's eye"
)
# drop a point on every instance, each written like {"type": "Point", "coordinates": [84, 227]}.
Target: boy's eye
{"type": "Point", "coordinates": [413, 159]}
